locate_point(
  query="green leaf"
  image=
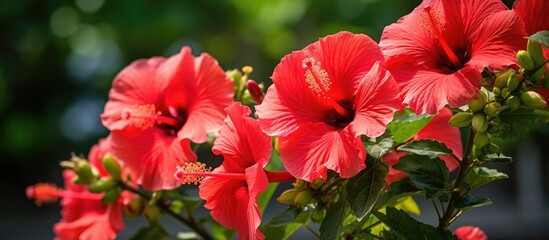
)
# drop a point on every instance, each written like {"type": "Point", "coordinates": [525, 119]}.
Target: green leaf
{"type": "Point", "coordinates": [426, 147]}
{"type": "Point", "coordinates": [285, 224]}
{"type": "Point", "coordinates": [398, 190]}
{"type": "Point", "coordinates": [379, 146]}
{"type": "Point", "coordinates": [153, 231]}
{"type": "Point", "coordinates": [219, 232]}
{"type": "Point", "coordinates": [541, 37]}
{"type": "Point", "coordinates": [266, 196]}
{"type": "Point", "coordinates": [408, 228]}
{"type": "Point", "coordinates": [190, 199]}
{"type": "Point", "coordinates": [430, 174]}
{"type": "Point", "coordinates": [332, 225]}
{"type": "Point", "coordinates": [497, 158]}
{"type": "Point", "coordinates": [177, 206]}
{"type": "Point", "coordinates": [517, 123]}
{"type": "Point", "coordinates": [406, 125]}
{"type": "Point", "coordinates": [280, 232]}
{"type": "Point", "coordinates": [286, 217]}
{"type": "Point", "coordinates": [479, 176]}
{"type": "Point", "coordinates": [469, 202]}
{"type": "Point", "coordinates": [363, 189]}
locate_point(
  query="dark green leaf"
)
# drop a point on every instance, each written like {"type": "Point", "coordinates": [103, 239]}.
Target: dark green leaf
{"type": "Point", "coordinates": [286, 217]}
{"type": "Point", "coordinates": [332, 225]}
{"type": "Point", "coordinates": [190, 199]}
{"type": "Point", "coordinates": [517, 123]}
{"type": "Point", "coordinates": [266, 196]}
{"type": "Point", "coordinates": [280, 232]}
{"type": "Point", "coordinates": [154, 231]}
{"type": "Point", "coordinates": [381, 146]}
{"type": "Point", "coordinates": [285, 224]}
{"type": "Point", "coordinates": [398, 190]}
{"type": "Point", "coordinates": [479, 176]}
{"type": "Point", "coordinates": [541, 37]}
{"type": "Point", "coordinates": [498, 158]}
{"type": "Point", "coordinates": [468, 202]}
{"type": "Point", "coordinates": [406, 125]}
{"type": "Point", "coordinates": [430, 174]}
{"type": "Point", "coordinates": [408, 228]}
{"type": "Point", "coordinates": [363, 189]}
{"type": "Point", "coordinates": [426, 147]}
{"type": "Point", "coordinates": [219, 232]}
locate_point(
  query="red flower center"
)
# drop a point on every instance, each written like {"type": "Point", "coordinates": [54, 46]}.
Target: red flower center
{"type": "Point", "coordinates": [194, 173]}
{"type": "Point", "coordinates": [146, 116]}
{"type": "Point", "coordinates": [320, 83]}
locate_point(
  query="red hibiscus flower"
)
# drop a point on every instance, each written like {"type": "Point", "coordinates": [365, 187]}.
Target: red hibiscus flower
{"type": "Point", "coordinates": [84, 216]}
{"type": "Point", "coordinates": [470, 233]}
{"type": "Point", "coordinates": [437, 52]}
{"type": "Point", "coordinates": [231, 190]}
{"type": "Point", "coordinates": [533, 12]}
{"type": "Point", "coordinates": [324, 98]}
{"type": "Point", "coordinates": [156, 106]}
{"type": "Point", "coordinates": [438, 129]}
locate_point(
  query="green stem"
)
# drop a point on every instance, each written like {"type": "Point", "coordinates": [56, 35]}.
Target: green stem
{"type": "Point", "coordinates": [449, 215]}
{"type": "Point", "coordinates": [311, 230]}
{"type": "Point", "coordinates": [190, 223]}
{"type": "Point", "coordinates": [436, 209]}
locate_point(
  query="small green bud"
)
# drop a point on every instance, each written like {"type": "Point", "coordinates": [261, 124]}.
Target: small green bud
{"type": "Point", "coordinates": [535, 51]}
{"type": "Point", "coordinates": [501, 79]}
{"type": "Point", "coordinates": [317, 183]}
{"type": "Point", "coordinates": [102, 185]}
{"type": "Point", "coordinates": [112, 166]}
{"type": "Point", "coordinates": [524, 59]}
{"type": "Point", "coordinates": [477, 104]}
{"type": "Point", "coordinates": [497, 91]}
{"type": "Point", "coordinates": [300, 184]}
{"type": "Point", "coordinates": [492, 109]}
{"type": "Point", "coordinates": [513, 83]}
{"type": "Point", "coordinates": [152, 213]}
{"type": "Point", "coordinates": [134, 208]}
{"type": "Point", "coordinates": [461, 119]}
{"type": "Point", "coordinates": [288, 196]}
{"type": "Point", "coordinates": [538, 75]}
{"type": "Point", "coordinates": [475, 152]}
{"type": "Point", "coordinates": [479, 123]}
{"type": "Point", "coordinates": [481, 139]}
{"type": "Point", "coordinates": [304, 198]}
{"type": "Point", "coordinates": [505, 92]}
{"type": "Point", "coordinates": [513, 102]}
{"type": "Point", "coordinates": [84, 172]}
{"type": "Point", "coordinates": [533, 99]}
{"type": "Point", "coordinates": [246, 98]}
{"type": "Point", "coordinates": [493, 148]}
{"type": "Point", "coordinates": [318, 214]}
{"type": "Point", "coordinates": [111, 195]}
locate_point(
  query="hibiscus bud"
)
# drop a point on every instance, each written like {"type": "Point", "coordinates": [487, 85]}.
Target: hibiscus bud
{"type": "Point", "coordinates": [536, 77]}
{"type": "Point", "coordinates": [299, 184]}
{"type": "Point", "coordinates": [111, 195]}
{"type": "Point", "coordinates": [532, 99]}
{"type": "Point", "coordinates": [288, 196]}
{"type": "Point", "coordinates": [497, 91]}
{"type": "Point", "coordinates": [84, 172]}
{"type": "Point", "coordinates": [255, 91]}
{"type": "Point", "coordinates": [152, 213]}
{"type": "Point", "coordinates": [478, 103]}
{"type": "Point", "coordinates": [513, 82]}
{"type": "Point", "coordinates": [112, 166]}
{"type": "Point", "coordinates": [505, 93]}
{"type": "Point", "coordinates": [492, 109]}
{"type": "Point", "coordinates": [524, 59]}
{"type": "Point", "coordinates": [479, 123]}
{"type": "Point", "coordinates": [513, 102]}
{"type": "Point", "coordinates": [542, 115]}
{"type": "Point", "coordinates": [134, 208]}
{"type": "Point", "coordinates": [102, 185]}
{"type": "Point", "coordinates": [501, 79]}
{"type": "Point", "coordinates": [461, 119]}
{"type": "Point", "coordinates": [318, 214]}
{"type": "Point", "coordinates": [317, 183]}
{"type": "Point", "coordinates": [304, 198]}
{"type": "Point", "coordinates": [535, 51]}
{"type": "Point", "coordinates": [481, 139]}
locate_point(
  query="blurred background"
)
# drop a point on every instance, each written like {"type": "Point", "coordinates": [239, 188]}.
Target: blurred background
{"type": "Point", "coordinates": [58, 59]}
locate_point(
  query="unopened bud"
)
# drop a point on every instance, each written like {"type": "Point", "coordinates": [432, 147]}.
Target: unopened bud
{"type": "Point", "coordinates": [317, 183]}
{"type": "Point", "coordinates": [524, 59]}
{"type": "Point", "coordinates": [318, 214]}
{"type": "Point", "coordinates": [477, 104]}
{"type": "Point", "coordinates": [255, 91]}
{"type": "Point", "coordinates": [505, 92]}
{"type": "Point", "coordinates": [102, 185]}
{"type": "Point", "coordinates": [513, 102]}
{"type": "Point", "coordinates": [304, 198]}
{"type": "Point", "coordinates": [300, 184]}
{"type": "Point", "coordinates": [112, 166]}
{"type": "Point", "coordinates": [152, 213]}
{"type": "Point", "coordinates": [513, 83]}
{"type": "Point", "coordinates": [533, 99]}
{"type": "Point", "coordinates": [492, 109]}
{"type": "Point", "coordinates": [288, 196]}
{"type": "Point", "coordinates": [134, 208]}
{"type": "Point", "coordinates": [497, 91]}
{"type": "Point", "coordinates": [461, 119]}
{"type": "Point", "coordinates": [111, 195]}
{"type": "Point", "coordinates": [535, 51]}
{"type": "Point", "coordinates": [538, 75]}
{"type": "Point", "coordinates": [479, 123]}
{"type": "Point", "coordinates": [83, 172]}
{"type": "Point", "coordinates": [481, 139]}
{"type": "Point", "coordinates": [501, 79]}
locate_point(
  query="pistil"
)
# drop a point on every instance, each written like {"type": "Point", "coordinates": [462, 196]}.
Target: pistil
{"type": "Point", "coordinates": [456, 62]}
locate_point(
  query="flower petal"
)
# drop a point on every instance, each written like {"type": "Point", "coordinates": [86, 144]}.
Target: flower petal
{"type": "Point", "coordinates": [533, 12]}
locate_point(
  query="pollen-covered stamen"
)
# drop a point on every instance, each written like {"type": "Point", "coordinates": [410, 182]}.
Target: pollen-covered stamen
{"type": "Point", "coordinates": [146, 116]}
{"type": "Point", "coordinates": [194, 173]}
{"type": "Point", "coordinates": [456, 62]}
{"type": "Point", "coordinates": [320, 82]}
{"type": "Point", "coordinates": [49, 193]}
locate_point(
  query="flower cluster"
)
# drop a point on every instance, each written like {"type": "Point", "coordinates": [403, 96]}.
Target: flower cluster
{"type": "Point", "coordinates": [348, 117]}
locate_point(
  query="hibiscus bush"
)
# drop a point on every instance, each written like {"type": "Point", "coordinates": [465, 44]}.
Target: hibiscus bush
{"type": "Point", "coordinates": [358, 128]}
